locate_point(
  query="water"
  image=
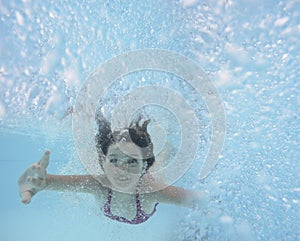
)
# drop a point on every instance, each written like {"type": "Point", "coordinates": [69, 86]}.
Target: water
{"type": "Point", "coordinates": [250, 51]}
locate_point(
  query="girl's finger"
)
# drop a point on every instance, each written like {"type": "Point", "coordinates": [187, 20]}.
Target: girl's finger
{"type": "Point", "coordinates": [44, 162]}
{"type": "Point", "coordinates": [26, 197]}
{"type": "Point", "coordinates": [36, 181]}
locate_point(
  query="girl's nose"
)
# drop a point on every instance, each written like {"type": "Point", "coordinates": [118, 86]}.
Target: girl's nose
{"type": "Point", "coordinates": [123, 166]}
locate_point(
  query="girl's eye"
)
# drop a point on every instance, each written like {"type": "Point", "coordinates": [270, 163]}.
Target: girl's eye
{"type": "Point", "coordinates": [132, 162]}
{"type": "Point", "coordinates": [113, 161]}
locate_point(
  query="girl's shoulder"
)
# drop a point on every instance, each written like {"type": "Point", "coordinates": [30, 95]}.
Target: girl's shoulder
{"type": "Point", "coordinates": [101, 184]}
{"type": "Point", "coordinates": [101, 190]}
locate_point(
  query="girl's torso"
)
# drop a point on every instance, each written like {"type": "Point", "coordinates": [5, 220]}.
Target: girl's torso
{"type": "Point", "coordinates": [124, 204]}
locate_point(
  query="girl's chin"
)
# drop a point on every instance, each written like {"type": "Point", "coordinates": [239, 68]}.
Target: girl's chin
{"type": "Point", "coordinates": [124, 185]}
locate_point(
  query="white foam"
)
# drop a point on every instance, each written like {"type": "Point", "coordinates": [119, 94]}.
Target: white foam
{"type": "Point", "coordinates": [20, 19]}
{"type": "Point", "coordinates": [188, 3]}
{"type": "Point", "coordinates": [281, 21]}
{"type": "Point", "coordinates": [2, 111]}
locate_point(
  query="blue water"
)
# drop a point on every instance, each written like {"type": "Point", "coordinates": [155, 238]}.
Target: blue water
{"type": "Point", "coordinates": [250, 51]}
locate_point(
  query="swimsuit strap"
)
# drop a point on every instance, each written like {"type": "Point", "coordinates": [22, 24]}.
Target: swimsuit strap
{"type": "Point", "coordinates": [138, 203]}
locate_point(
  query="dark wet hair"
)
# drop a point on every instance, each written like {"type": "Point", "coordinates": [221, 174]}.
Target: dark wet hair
{"type": "Point", "coordinates": [135, 133]}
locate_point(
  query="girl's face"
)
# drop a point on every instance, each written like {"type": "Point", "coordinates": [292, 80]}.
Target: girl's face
{"type": "Point", "coordinates": [123, 159]}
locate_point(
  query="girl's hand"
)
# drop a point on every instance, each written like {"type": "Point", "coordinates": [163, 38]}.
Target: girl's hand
{"type": "Point", "coordinates": [33, 179]}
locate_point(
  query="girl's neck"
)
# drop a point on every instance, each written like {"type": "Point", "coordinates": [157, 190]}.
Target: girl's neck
{"type": "Point", "coordinates": [123, 196]}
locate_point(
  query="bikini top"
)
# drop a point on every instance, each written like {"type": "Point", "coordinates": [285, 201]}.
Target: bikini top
{"type": "Point", "coordinates": [140, 216]}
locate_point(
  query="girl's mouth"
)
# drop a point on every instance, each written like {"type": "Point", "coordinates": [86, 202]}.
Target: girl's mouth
{"type": "Point", "coordinates": [122, 179]}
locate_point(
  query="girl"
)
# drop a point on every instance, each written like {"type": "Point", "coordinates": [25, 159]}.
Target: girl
{"type": "Point", "coordinates": [125, 157]}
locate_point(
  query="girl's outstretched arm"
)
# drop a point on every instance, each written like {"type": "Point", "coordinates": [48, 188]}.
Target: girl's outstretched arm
{"type": "Point", "coordinates": [73, 183]}
{"type": "Point", "coordinates": [35, 179]}
{"type": "Point", "coordinates": [182, 197]}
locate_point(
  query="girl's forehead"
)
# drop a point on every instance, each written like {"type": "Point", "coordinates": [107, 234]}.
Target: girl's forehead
{"type": "Point", "coordinates": [125, 149]}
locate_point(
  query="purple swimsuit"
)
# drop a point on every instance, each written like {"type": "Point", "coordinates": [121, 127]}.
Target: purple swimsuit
{"type": "Point", "coordinates": [140, 216]}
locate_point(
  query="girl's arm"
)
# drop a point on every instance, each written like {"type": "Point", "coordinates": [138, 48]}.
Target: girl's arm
{"type": "Point", "coordinates": [73, 183]}
{"type": "Point", "coordinates": [182, 197]}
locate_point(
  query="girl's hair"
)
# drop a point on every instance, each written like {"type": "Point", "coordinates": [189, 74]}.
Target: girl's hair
{"type": "Point", "coordinates": [136, 133]}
